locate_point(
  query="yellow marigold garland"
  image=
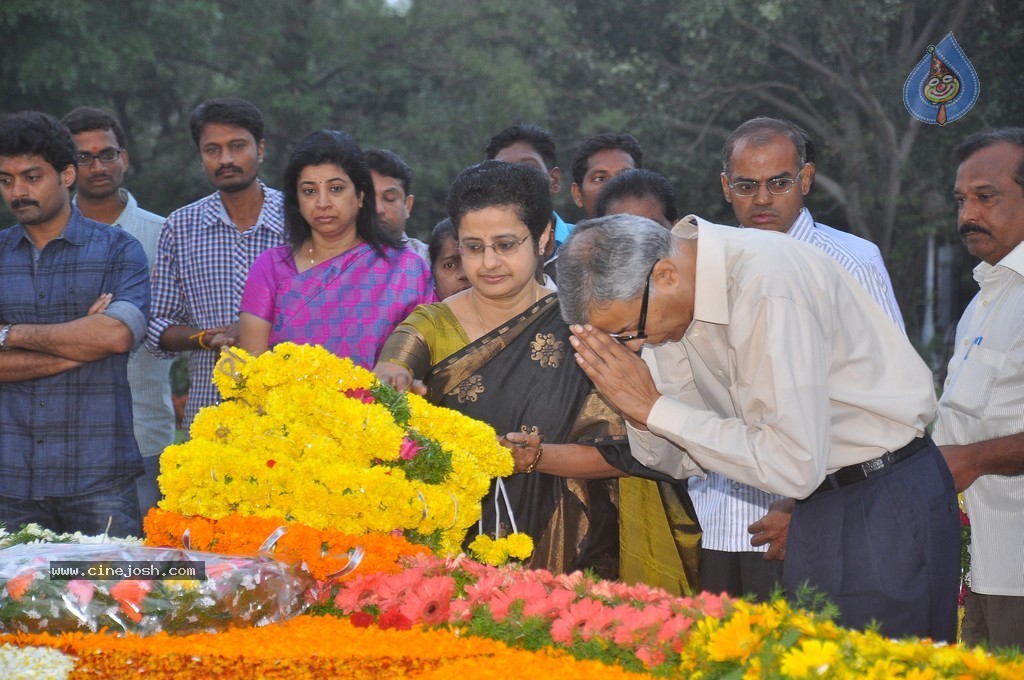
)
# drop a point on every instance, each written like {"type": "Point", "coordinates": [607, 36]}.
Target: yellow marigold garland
{"type": "Point", "coordinates": [301, 436]}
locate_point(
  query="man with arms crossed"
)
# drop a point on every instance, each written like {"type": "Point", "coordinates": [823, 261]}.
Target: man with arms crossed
{"type": "Point", "coordinates": [73, 302]}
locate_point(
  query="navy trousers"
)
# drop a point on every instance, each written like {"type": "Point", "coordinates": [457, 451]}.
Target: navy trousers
{"type": "Point", "coordinates": [885, 549]}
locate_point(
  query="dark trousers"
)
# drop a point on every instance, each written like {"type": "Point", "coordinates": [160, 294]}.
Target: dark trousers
{"type": "Point", "coordinates": [740, 574]}
{"type": "Point", "coordinates": [117, 509]}
{"type": "Point", "coordinates": [885, 549]}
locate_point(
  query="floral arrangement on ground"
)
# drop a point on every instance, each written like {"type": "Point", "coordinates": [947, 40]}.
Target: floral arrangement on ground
{"type": "Point", "coordinates": [454, 615]}
{"type": "Point", "coordinates": [313, 439]}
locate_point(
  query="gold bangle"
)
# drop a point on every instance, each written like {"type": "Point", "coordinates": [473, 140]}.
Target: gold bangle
{"type": "Point", "coordinates": [199, 336]}
{"type": "Point", "coordinates": [536, 459]}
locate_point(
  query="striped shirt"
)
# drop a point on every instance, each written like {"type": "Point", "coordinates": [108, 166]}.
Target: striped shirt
{"type": "Point", "coordinates": [199, 275]}
{"type": "Point", "coordinates": [725, 508]}
{"type": "Point", "coordinates": [982, 399]}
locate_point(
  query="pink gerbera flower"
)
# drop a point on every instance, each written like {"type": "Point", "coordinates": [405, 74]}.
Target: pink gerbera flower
{"type": "Point", "coordinates": [526, 591]}
{"type": "Point", "coordinates": [571, 621]}
{"type": "Point", "coordinates": [358, 593]}
{"type": "Point", "coordinates": [430, 602]}
{"type": "Point", "coordinates": [551, 606]}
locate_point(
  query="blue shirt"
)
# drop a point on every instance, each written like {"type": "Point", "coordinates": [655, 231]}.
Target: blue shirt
{"type": "Point", "coordinates": [70, 434]}
{"type": "Point", "coordinates": [562, 229]}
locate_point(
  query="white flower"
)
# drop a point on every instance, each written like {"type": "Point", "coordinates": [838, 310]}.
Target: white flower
{"type": "Point", "coordinates": [34, 662]}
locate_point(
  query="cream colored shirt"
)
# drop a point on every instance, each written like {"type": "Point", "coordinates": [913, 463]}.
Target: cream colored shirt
{"type": "Point", "coordinates": [983, 399]}
{"type": "Point", "coordinates": [789, 370]}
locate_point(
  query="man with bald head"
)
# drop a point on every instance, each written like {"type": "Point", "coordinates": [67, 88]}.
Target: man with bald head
{"type": "Point", "coordinates": [767, 169]}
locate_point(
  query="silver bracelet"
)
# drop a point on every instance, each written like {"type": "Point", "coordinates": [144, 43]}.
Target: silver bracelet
{"type": "Point", "coordinates": [4, 332]}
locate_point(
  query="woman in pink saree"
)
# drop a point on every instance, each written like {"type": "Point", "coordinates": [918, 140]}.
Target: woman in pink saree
{"type": "Point", "coordinates": [340, 282]}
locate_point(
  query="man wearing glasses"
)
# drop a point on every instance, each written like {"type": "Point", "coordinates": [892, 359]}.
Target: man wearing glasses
{"type": "Point", "coordinates": [766, 363]}
{"type": "Point", "coordinates": [768, 168]}
{"type": "Point", "coordinates": [102, 163]}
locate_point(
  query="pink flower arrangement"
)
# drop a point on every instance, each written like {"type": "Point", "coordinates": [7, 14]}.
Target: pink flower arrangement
{"type": "Point", "coordinates": [638, 626]}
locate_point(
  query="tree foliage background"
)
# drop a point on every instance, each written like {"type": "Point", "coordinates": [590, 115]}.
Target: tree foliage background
{"type": "Point", "coordinates": [434, 79]}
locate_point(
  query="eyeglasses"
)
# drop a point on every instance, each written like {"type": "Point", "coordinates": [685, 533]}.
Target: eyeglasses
{"type": "Point", "coordinates": [776, 187]}
{"type": "Point", "coordinates": [641, 328]}
{"type": "Point", "coordinates": [501, 247]}
{"type": "Point", "coordinates": [105, 156]}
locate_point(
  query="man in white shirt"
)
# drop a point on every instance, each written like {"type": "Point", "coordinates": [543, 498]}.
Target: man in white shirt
{"type": "Point", "coordinates": [102, 163]}
{"type": "Point", "coordinates": [982, 396]}
{"type": "Point", "coordinates": [768, 168]}
{"type": "Point", "coordinates": [765, 362]}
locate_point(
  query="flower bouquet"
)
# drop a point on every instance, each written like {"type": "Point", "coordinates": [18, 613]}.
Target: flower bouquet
{"type": "Point", "coordinates": [310, 437]}
{"type": "Point", "coordinates": [129, 588]}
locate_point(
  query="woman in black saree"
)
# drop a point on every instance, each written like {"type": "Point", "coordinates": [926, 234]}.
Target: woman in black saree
{"type": "Point", "coordinates": [499, 351]}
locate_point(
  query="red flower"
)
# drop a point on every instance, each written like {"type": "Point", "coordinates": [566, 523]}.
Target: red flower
{"type": "Point", "coordinates": [361, 620]}
{"type": "Point", "coordinates": [394, 619]}
{"type": "Point", "coordinates": [271, 463]}
{"type": "Point", "coordinates": [361, 393]}
{"type": "Point", "coordinates": [130, 594]}
{"type": "Point", "coordinates": [17, 585]}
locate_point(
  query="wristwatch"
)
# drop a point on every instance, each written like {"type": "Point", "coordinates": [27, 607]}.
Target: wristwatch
{"type": "Point", "coordinates": [4, 332]}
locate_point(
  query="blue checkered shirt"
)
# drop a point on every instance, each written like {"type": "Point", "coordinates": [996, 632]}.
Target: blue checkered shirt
{"type": "Point", "coordinates": [70, 434]}
{"type": "Point", "coordinates": [202, 263]}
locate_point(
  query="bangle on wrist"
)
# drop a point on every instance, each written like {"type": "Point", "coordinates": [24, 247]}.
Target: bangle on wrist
{"type": "Point", "coordinates": [536, 459]}
{"type": "Point", "coordinates": [4, 332]}
{"type": "Point", "coordinates": [199, 336]}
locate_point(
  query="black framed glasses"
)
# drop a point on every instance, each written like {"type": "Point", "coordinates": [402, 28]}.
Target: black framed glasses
{"type": "Point", "coordinates": [776, 187]}
{"type": "Point", "coordinates": [641, 327]}
{"type": "Point", "coordinates": [104, 157]}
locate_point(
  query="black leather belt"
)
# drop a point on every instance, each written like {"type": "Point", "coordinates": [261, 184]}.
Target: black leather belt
{"type": "Point", "coordinates": [851, 474]}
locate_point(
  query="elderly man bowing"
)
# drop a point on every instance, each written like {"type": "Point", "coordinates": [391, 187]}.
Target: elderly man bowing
{"type": "Point", "coordinates": [766, 362]}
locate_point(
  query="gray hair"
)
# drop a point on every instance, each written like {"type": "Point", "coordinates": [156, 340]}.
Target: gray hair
{"type": "Point", "coordinates": [606, 260]}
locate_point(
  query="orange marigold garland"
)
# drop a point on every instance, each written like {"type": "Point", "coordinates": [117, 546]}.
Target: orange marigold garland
{"type": "Point", "coordinates": [324, 551]}
{"type": "Point", "coordinates": [303, 647]}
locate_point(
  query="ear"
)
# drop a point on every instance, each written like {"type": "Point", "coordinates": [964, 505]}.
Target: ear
{"type": "Point", "coordinates": [409, 200]}
{"type": "Point", "coordinates": [545, 238]}
{"type": "Point", "coordinates": [665, 273]}
{"type": "Point", "coordinates": [556, 180]}
{"type": "Point", "coordinates": [577, 195]}
{"type": "Point", "coordinates": [360, 197]}
{"type": "Point", "coordinates": [68, 176]}
{"type": "Point", "coordinates": [726, 191]}
{"type": "Point", "coordinates": [260, 148]}
{"type": "Point", "coordinates": [807, 179]}
{"type": "Point", "coordinates": [124, 159]}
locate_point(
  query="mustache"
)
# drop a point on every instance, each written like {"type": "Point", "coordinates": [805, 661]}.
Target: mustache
{"type": "Point", "coordinates": [23, 202]}
{"type": "Point", "coordinates": [227, 168]}
{"type": "Point", "coordinates": [972, 228]}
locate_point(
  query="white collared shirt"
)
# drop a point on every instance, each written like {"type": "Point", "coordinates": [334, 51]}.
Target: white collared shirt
{"type": "Point", "coordinates": [725, 508]}
{"type": "Point", "coordinates": [789, 370]}
{"type": "Point", "coordinates": [983, 398]}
